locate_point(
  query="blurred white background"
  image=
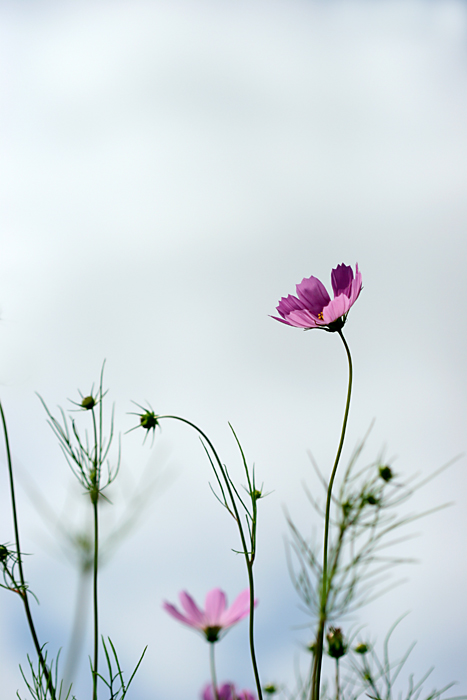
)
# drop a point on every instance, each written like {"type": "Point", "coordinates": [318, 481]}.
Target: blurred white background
{"type": "Point", "coordinates": [169, 171]}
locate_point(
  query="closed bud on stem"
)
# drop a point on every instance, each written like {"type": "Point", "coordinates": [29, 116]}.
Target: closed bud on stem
{"type": "Point", "coordinates": [385, 473]}
{"type": "Point", "coordinates": [370, 499]}
{"type": "Point", "coordinates": [3, 553]}
{"type": "Point", "coordinates": [336, 644]}
{"type": "Point", "coordinates": [270, 689]}
{"type": "Point", "coordinates": [88, 403]}
{"type": "Point", "coordinates": [362, 648]}
{"type": "Point", "coordinates": [148, 420]}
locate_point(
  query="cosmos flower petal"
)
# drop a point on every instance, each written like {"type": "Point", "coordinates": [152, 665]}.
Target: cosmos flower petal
{"type": "Point", "coordinates": [172, 610]}
{"type": "Point", "coordinates": [313, 294]}
{"type": "Point", "coordinates": [194, 613]}
{"type": "Point", "coordinates": [239, 609]}
{"type": "Point", "coordinates": [356, 286]}
{"type": "Point", "coordinates": [336, 308]}
{"type": "Point", "coordinates": [214, 607]}
{"type": "Point", "coordinates": [226, 692]}
{"type": "Point", "coordinates": [302, 319]}
{"type": "Point", "coordinates": [288, 304]}
{"type": "Point", "coordinates": [245, 695]}
{"type": "Point", "coordinates": [341, 280]}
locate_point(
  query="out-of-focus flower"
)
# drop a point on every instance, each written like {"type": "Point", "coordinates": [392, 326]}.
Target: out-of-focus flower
{"type": "Point", "coordinates": [314, 308]}
{"type": "Point", "coordinates": [227, 691]}
{"type": "Point", "coordinates": [362, 648]}
{"type": "Point", "coordinates": [245, 695]}
{"type": "Point", "coordinates": [216, 616]}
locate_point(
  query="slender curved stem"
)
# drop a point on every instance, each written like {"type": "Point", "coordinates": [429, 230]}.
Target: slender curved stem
{"type": "Point", "coordinates": [249, 562]}
{"type": "Point", "coordinates": [325, 584]}
{"type": "Point", "coordinates": [24, 591]}
{"type": "Point", "coordinates": [95, 603]}
{"type": "Point", "coordinates": [94, 498]}
{"type": "Point", "coordinates": [212, 665]}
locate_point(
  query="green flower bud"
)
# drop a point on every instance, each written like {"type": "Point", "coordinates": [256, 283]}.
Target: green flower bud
{"type": "Point", "coordinates": [148, 420]}
{"type": "Point", "coordinates": [362, 648]}
{"type": "Point", "coordinates": [256, 494]}
{"type": "Point", "coordinates": [88, 403]}
{"type": "Point", "coordinates": [270, 689]}
{"type": "Point", "coordinates": [336, 644]}
{"type": "Point", "coordinates": [385, 473]}
{"type": "Point", "coordinates": [370, 499]}
{"type": "Point", "coordinates": [3, 553]}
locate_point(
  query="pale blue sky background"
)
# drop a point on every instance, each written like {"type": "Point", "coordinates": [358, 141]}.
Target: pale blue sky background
{"type": "Point", "coordinates": [170, 170]}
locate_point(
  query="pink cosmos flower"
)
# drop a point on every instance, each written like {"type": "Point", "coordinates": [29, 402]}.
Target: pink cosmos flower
{"type": "Point", "coordinates": [314, 308]}
{"type": "Point", "coordinates": [227, 691]}
{"type": "Point", "coordinates": [216, 616]}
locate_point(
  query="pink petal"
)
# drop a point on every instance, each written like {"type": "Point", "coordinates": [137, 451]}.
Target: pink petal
{"type": "Point", "coordinates": [356, 286]}
{"type": "Point", "coordinates": [245, 695]}
{"type": "Point", "coordinates": [341, 280]}
{"type": "Point", "coordinates": [302, 319]}
{"type": "Point", "coordinates": [178, 615]}
{"type": "Point", "coordinates": [215, 606]}
{"type": "Point", "coordinates": [195, 615]}
{"type": "Point", "coordinates": [239, 609]}
{"type": "Point", "coordinates": [336, 308]}
{"type": "Point", "coordinates": [227, 691]}
{"type": "Point", "coordinates": [288, 304]}
{"type": "Point", "coordinates": [313, 294]}
{"type": "Point", "coordinates": [282, 320]}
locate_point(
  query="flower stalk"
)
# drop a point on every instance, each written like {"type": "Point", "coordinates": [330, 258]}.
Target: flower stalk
{"type": "Point", "coordinates": [23, 590]}
{"type": "Point", "coordinates": [212, 665]}
{"type": "Point", "coordinates": [325, 583]}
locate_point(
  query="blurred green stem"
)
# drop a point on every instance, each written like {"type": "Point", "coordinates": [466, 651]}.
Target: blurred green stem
{"type": "Point", "coordinates": [325, 583]}
{"type": "Point", "coordinates": [94, 493]}
{"type": "Point", "coordinates": [24, 591]}
{"type": "Point", "coordinates": [213, 671]}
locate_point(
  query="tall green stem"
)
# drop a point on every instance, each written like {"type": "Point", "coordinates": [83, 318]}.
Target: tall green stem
{"type": "Point", "coordinates": [249, 562]}
{"type": "Point", "coordinates": [94, 498]}
{"type": "Point", "coordinates": [325, 584]}
{"type": "Point", "coordinates": [24, 591]}
{"type": "Point", "coordinates": [212, 665]}
{"type": "Point", "coordinates": [95, 603]}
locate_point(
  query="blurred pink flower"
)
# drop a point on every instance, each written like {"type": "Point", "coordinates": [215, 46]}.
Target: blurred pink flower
{"type": "Point", "coordinates": [216, 615]}
{"type": "Point", "coordinates": [314, 308]}
{"type": "Point", "coordinates": [227, 691]}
